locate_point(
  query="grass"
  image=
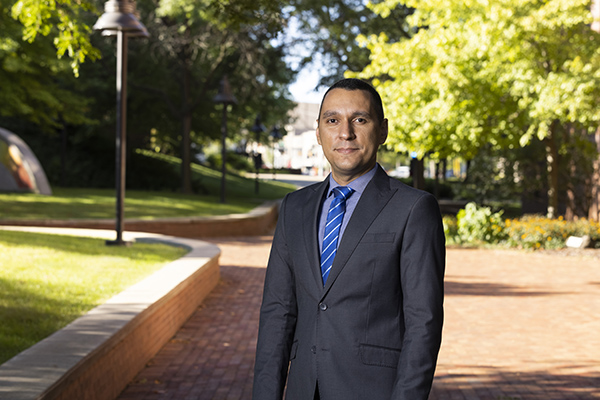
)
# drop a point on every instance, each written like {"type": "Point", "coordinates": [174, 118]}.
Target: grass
{"type": "Point", "coordinates": [100, 203]}
{"type": "Point", "coordinates": [47, 281]}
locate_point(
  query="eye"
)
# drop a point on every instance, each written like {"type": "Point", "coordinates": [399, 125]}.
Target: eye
{"type": "Point", "coordinates": [360, 120]}
{"type": "Point", "coordinates": [331, 120]}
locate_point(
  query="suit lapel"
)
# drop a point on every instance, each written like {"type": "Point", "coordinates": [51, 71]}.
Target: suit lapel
{"type": "Point", "coordinates": [373, 200]}
{"type": "Point", "coordinates": [310, 217]}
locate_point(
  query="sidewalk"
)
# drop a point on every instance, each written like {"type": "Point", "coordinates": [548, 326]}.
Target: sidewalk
{"type": "Point", "coordinates": [518, 326]}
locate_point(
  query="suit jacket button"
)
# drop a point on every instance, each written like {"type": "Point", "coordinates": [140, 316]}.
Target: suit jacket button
{"type": "Point", "coordinates": [323, 306]}
{"type": "Point", "coordinates": [313, 349]}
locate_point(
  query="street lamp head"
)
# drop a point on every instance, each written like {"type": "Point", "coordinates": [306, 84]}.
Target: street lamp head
{"type": "Point", "coordinates": [119, 15]}
{"type": "Point", "coordinates": [225, 96]}
{"type": "Point", "coordinates": [276, 133]}
{"type": "Point", "coordinates": [258, 127]}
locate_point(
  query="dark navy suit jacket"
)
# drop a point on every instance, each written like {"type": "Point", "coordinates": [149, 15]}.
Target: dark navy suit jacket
{"type": "Point", "coordinates": [374, 331]}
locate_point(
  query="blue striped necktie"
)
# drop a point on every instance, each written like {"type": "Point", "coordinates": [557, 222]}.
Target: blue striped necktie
{"type": "Point", "coordinates": [332, 228]}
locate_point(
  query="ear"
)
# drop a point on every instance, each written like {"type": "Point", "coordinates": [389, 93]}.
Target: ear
{"type": "Point", "coordinates": [383, 134]}
{"type": "Point", "coordinates": [318, 136]}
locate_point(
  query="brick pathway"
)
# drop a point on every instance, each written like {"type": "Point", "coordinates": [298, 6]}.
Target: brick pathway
{"type": "Point", "coordinates": [518, 326]}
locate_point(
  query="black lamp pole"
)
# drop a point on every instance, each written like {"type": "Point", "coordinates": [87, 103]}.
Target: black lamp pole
{"type": "Point", "coordinates": [119, 20]}
{"type": "Point", "coordinates": [257, 128]}
{"type": "Point", "coordinates": [121, 134]}
{"type": "Point", "coordinates": [223, 151]}
{"type": "Point", "coordinates": [224, 97]}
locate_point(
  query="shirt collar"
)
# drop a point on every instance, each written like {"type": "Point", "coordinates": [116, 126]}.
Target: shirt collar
{"type": "Point", "coordinates": [358, 185]}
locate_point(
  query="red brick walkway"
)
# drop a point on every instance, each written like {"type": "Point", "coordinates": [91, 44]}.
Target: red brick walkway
{"type": "Point", "coordinates": [518, 326]}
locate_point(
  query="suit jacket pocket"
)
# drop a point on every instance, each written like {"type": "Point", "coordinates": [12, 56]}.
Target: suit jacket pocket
{"type": "Point", "coordinates": [379, 356]}
{"type": "Point", "coordinates": [294, 350]}
{"type": "Point", "coordinates": [378, 238]}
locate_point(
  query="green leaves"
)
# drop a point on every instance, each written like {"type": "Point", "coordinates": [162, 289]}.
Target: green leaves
{"type": "Point", "coordinates": [65, 20]}
{"type": "Point", "coordinates": [479, 72]}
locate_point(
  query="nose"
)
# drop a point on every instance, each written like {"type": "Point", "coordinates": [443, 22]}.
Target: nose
{"type": "Point", "coordinates": [347, 131]}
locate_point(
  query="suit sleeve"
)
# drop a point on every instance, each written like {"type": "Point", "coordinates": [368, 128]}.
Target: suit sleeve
{"type": "Point", "coordinates": [278, 316]}
{"type": "Point", "coordinates": [422, 264]}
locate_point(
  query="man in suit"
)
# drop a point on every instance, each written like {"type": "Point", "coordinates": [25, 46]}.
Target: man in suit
{"type": "Point", "coordinates": [359, 317]}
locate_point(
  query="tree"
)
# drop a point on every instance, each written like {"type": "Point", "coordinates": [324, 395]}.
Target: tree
{"type": "Point", "coordinates": [62, 20]}
{"type": "Point", "coordinates": [193, 44]}
{"type": "Point", "coordinates": [329, 29]}
{"type": "Point", "coordinates": [34, 82]}
{"type": "Point", "coordinates": [495, 73]}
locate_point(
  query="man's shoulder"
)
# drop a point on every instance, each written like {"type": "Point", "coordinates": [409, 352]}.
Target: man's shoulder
{"type": "Point", "coordinates": [306, 193]}
{"type": "Point", "coordinates": [405, 191]}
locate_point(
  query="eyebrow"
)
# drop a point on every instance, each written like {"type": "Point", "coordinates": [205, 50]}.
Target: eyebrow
{"type": "Point", "coordinates": [332, 113]}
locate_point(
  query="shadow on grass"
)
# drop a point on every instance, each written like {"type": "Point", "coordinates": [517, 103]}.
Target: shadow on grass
{"type": "Point", "coordinates": [22, 325]}
{"type": "Point", "coordinates": [75, 244]}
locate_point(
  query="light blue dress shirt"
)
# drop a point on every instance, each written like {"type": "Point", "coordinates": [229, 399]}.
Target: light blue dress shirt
{"type": "Point", "coordinates": [358, 185]}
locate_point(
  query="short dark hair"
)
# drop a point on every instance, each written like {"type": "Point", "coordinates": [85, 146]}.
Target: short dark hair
{"type": "Point", "coordinates": [358, 84]}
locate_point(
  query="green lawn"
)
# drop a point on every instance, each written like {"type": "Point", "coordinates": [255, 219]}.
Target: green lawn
{"type": "Point", "coordinates": [47, 281]}
{"type": "Point", "coordinates": [100, 203]}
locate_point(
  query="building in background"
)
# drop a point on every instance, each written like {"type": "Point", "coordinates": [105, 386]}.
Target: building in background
{"type": "Point", "coordinates": [300, 150]}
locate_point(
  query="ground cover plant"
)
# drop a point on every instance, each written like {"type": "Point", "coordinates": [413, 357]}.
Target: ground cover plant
{"type": "Point", "coordinates": [477, 225]}
{"type": "Point", "coordinates": [47, 281]}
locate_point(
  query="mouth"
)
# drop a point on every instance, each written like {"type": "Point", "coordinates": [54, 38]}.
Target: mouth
{"type": "Point", "coordinates": [346, 150]}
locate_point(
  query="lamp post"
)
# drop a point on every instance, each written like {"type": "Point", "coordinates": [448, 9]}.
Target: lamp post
{"type": "Point", "coordinates": [257, 128]}
{"type": "Point", "coordinates": [224, 97]}
{"type": "Point", "coordinates": [119, 20]}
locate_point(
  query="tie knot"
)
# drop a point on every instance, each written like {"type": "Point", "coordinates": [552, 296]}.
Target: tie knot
{"type": "Point", "coordinates": [342, 192]}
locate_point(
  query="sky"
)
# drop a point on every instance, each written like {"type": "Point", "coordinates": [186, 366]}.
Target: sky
{"type": "Point", "coordinates": [303, 89]}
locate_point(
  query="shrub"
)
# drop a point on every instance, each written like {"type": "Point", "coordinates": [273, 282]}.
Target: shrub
{"type": "Point", "coordinates": [235, 162]}
{"type": "Point", "coordinates": [150, 173]}
{"type": "Point", "coordinates": [537, 232]}
{"type": "Point", "coordinates": [479, 225]}
{"type": "Point", "coordinates": [450, 229]}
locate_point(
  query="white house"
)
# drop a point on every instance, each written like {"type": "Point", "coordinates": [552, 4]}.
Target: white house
{"type": "Point", "coordinates": [300, 148]}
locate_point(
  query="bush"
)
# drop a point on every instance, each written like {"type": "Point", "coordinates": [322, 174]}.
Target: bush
{"type": "Point", "coordinates": [479, 225]}
{"type": "Point", "coordinates": [537, 232]}
{"type": "Point", "coordinates": [235, 162]}
{"type": "Point", "coordinates": [149, 173]}
{"type": "Point", "coordinates": [450, 229]}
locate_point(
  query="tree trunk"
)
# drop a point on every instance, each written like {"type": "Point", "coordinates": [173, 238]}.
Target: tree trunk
{"type": "Point", "coordinates": [436, 182]}
{"type": "Point", "coordinates": [552, 168]}
{"type": "Point", "coordinates": [63, 156]}
{"type": "Point", "coordinates": [417, 171]}
{"type": "Point", "coordinates": [444, 169]}
{"type": "Point", "coordinates": [572, 183]}
{"type": "Point", "coordinates": [186, 127]}
{"type": "Point", "coordinates": [594, 213]}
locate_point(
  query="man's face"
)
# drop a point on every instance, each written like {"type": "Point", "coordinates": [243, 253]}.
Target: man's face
{"type": "Point", "coordinates": [350, 134]}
